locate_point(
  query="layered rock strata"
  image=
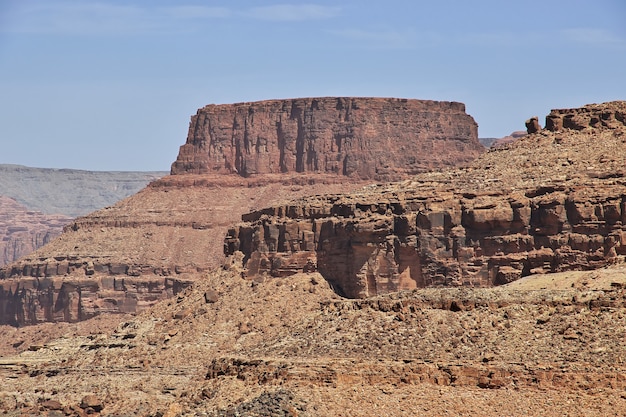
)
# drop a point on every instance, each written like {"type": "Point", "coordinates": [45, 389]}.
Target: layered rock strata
{"type": "Point", "coordinates": [225, 341]}
{"type": "Point", "coordinates": [174, 226]}
{"type": "Point", "coordinates": [52, 299]}
{"type": "Point", "coordinates": [552, 201]}
{"type": "Point", "coordinates": [602, 116]}
{"type": "Point", "coordinates": [36, 203]}
{"type": "Point", "coordinates": [237, 158]}
{"type": "Point", "coordinates": [126, 257]}
{"type": "Point", "coordinates": [366, 138]}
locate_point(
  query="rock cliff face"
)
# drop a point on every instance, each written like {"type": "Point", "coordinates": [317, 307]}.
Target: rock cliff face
{"type": "Point", "coordinates": [23, 230]}
{"type": "Point", "coordinates": [366, 138]}
{"type": "Point", "coordinates": [55, 298]}
{"type": "Point", "coordinates": [601, 116]}
{"type": "Point", "coordinates": [231, 346]}
{"type": "Point", "coordinates": [549, 202]}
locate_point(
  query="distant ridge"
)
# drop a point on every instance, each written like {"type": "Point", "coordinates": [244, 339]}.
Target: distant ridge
{"type": "Point", "coordinates": [70, 192]}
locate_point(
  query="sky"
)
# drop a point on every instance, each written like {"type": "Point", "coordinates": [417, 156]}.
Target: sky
{"type": "Point", "coordinates": [111, 85]}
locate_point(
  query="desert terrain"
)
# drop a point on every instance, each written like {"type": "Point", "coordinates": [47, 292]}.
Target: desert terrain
{"type": "Point", "coordinates": [497, 288]}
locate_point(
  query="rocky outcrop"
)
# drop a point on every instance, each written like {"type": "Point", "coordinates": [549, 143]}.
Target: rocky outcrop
{"type": "Point", "coordinates": [605, 115]}
{"type": "Point", "coordinates": [42, 289]}
{"type": "Point", "coordinates": [532, 125]}
{"type": "Point", "coordinates": [23, 230]}
{"type": "Point", "coordinates": [366, 138]}
{"type": "Point", "coordinates": [149, 246]}
{"type": "Point", "coordinates": [383, 242]}
{"type": "Point", "coordinates": [543, 206]}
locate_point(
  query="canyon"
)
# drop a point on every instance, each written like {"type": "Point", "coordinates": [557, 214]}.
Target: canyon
{"type": "Point", "coordinates": [23, 230]}
{"type": "Point", "coordinates": [70, 192]}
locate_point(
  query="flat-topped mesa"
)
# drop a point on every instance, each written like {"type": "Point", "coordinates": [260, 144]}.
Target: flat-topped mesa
{"type": "Point", "coordinates": [365, 138]}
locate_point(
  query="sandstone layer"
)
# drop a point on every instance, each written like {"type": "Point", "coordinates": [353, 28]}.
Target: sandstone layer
{"type": "Point", "coordinates": [236, 343]}
{"type": "Point", "coordinates": [366, 138]}
{"type": "Point", "coordinates": [35, 203]}
{"type": "Point", "coordinates": [551, 201]}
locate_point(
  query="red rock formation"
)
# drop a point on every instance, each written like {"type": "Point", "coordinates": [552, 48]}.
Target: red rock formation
{"type": "Point", "coordinates": [127, 257]}
{"type": "Point", "coordinates": [605, 115]}
{"type": "Point", "coordinates": [551, 203]}
{"type": "Point", "coordinates": [367, 138]}
{"type": "Point", "coordinates": [35, 300]}
{"type": "Point", "coordinates": [393, 240]}
{"type": "Point", "coordinates": [532, 125]}
{"type": "Point", "coordinates": [173, 231]}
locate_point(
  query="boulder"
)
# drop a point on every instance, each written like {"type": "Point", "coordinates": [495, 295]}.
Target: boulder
{"type": "Point", "coordinates": [532, 125]}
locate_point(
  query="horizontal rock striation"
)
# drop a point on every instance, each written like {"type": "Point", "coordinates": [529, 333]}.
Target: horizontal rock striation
{"type": "Point", "coordinates": [237, 158]}
{"type": "Point", "coordinates": [170, 232]}
{"type": "Point", "coordinates": [367, 245]}
{"type": "Point", "coordinates": [70, 192]}
{"type": "Point", "coordinates": [367, 138]}
{"type": "Point", "coordinates": [352, 372]}
{"type": "Point", "coordinates": [550, 202]}
{"type": "Point", "coordinates": [35, 300]}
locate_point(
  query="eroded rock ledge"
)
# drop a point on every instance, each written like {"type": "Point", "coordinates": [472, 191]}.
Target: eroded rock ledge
{"type": "Point", "coordinates": [554, 201]}
{"type": "Point", "coordinates": [606, 115]}
{"type": "Point", "coordinates": [237, 158]}
{"type": "Point", "coordinates": [366, 245]}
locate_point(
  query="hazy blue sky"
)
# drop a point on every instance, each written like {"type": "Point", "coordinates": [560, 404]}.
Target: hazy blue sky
{"type": "Point", "coordinates": [110, 85]}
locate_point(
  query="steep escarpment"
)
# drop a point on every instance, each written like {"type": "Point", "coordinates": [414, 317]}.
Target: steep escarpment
{"type": "Point", "coordinates": [366, 138]}
{"type": "Point", "coordinates": [234, 343]}
{"type": "Point", "coordinates": [552, 201]}
{"type": "Point", "coordinates": [148, 247]}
